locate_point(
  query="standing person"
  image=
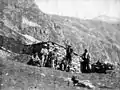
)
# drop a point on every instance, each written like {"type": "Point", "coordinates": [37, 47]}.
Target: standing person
{"type": "Point", "coordinates": [44, 58]}
{"type": "Point", "coordinates": [69, 52]}
{"type": "Point", "coordinates": [54, 58]}
{"type": "Point", "coordinates": [86, 60]}
{"type": "Point", "coordinates": [50, 60]}
{"type": "Point", "coordinates": [44, 53]}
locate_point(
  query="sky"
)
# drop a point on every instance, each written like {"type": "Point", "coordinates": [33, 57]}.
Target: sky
{"type": "Point", "coordinates": [85, 9]}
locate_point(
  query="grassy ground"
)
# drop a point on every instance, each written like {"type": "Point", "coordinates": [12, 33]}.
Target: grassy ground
{"type": "Point", "coordinates": [18, 76]}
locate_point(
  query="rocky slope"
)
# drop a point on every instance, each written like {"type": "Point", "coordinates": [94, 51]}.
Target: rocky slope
{"type": "Point", "coordinates": [19, 76]}
{"type": "Point", "coordinates": [23, 23]}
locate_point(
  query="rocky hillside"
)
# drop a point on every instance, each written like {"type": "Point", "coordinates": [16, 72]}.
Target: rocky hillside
{"type": "Point", "coordinates": [22, 23]}
{"type": "Point", "coordinates": [19, 76]}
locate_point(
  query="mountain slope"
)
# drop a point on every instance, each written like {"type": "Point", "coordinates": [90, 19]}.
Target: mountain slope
{"type": "Point", "coordinates": [22, 21]}
{"type": "Point", "coordinates": [19, 76]}
{"type": "Point", "coordinates": [107, 19]}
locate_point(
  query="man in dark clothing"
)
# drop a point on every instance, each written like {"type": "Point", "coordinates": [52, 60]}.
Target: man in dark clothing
{"type": "Point", "coordinates": [69, 52]}
{"type": "Point", "coordinates": [86, 60]}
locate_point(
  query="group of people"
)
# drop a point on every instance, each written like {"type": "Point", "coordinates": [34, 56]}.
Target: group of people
{"type": "Point", "coordinates": [100, 67]}
{"type": "Point", "coordinates": [47, 56]}
{"type": "Point", "coordinates": [97, 67]}
{"type": "Point", "coordinates": [44, 57]}
{"type": "Point", "coordinates": [66, 63]}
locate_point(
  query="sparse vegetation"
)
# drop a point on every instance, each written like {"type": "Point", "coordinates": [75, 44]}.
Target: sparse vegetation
{"type": "Point", "coordinates": [100, 38]}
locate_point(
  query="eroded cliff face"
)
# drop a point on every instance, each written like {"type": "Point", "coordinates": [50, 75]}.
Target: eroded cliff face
{"type": "Point", "coordinates": [22, 23]}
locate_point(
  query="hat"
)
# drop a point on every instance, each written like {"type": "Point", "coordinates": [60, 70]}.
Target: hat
{"type": "Point", "coordinates": [86, 50]}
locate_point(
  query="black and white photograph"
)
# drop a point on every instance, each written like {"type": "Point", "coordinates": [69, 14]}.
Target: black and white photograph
{"type": "Point", "coordinates": [59, 44]}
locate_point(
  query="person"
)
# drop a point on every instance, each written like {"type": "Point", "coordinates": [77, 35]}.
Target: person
{"type": "Point", "coordinates": [54, 60]}
{"type": "Point", "coordinates": [48, 62]}
{"type": "Point", "coordinates": [44, 56]}
{"type": "Point", "coordinates": [62, 65]}
{"type": "Point", "coordinates": [86, 60]}
{"type": "Point", "coordinates": [34, 61]}
{"type": "Point", "coordinates": [98, 62]}
{"type": "Point", "coordinates": [31, 62]}
{"type": "Point", "coordinates": [68, 68]}
{"type": "Point", "coordinates": [69, 52]}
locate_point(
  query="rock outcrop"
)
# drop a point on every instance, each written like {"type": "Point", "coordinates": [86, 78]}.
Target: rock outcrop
{"type": "Point", "coordinates": [22, 23]}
